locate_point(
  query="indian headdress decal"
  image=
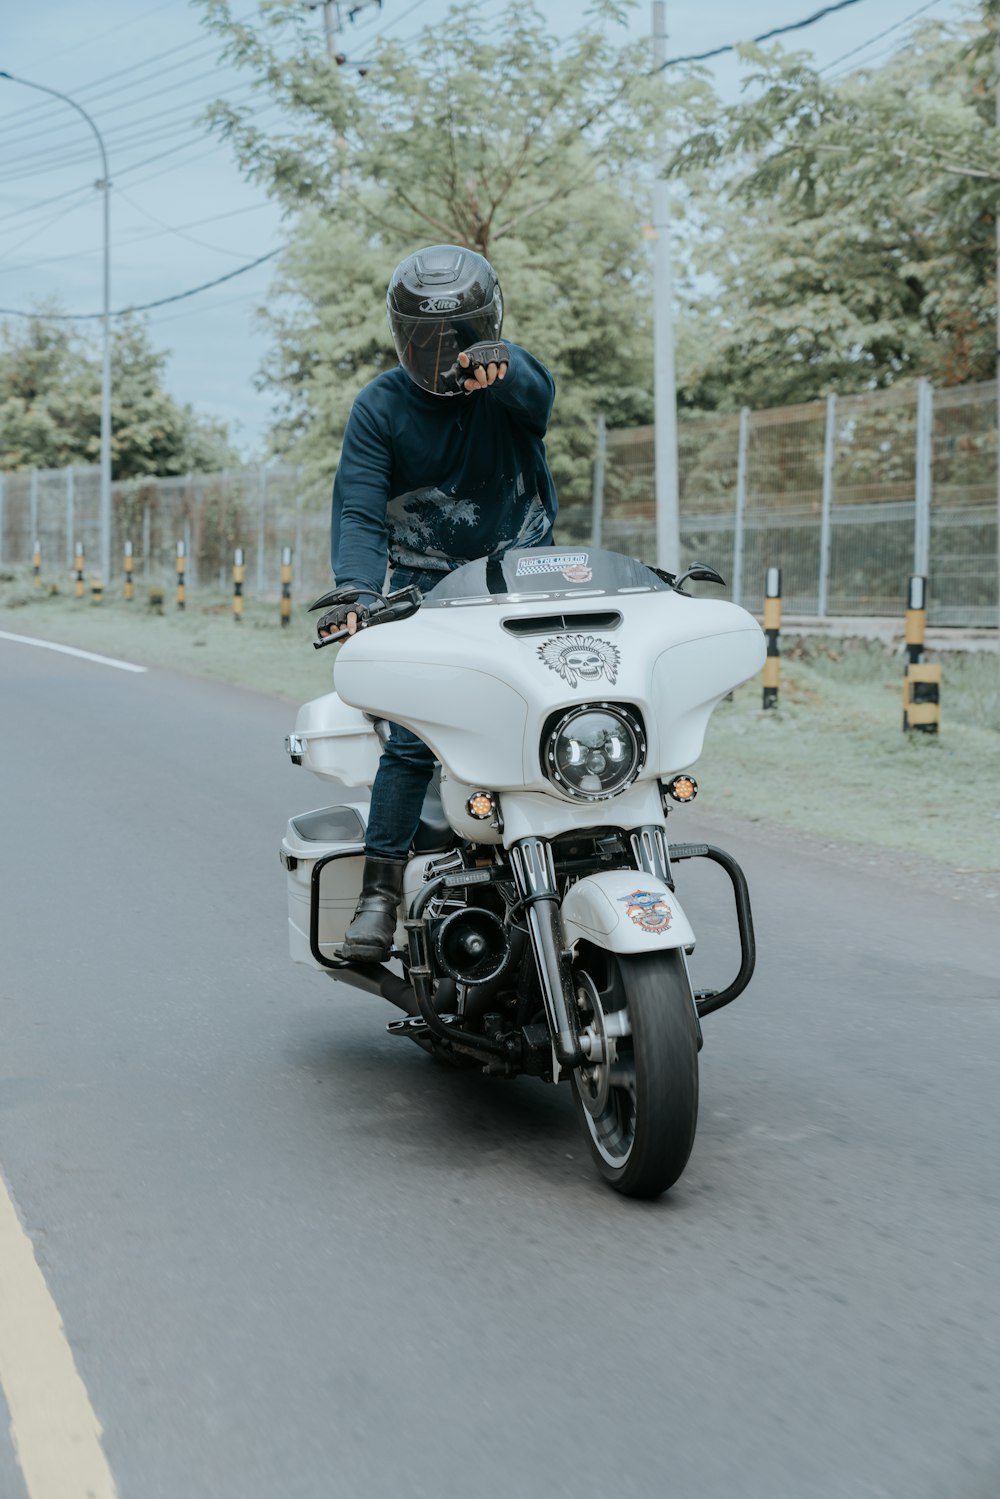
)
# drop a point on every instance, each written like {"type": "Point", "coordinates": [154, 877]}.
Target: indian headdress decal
{"type": "Point", "coordinates": [581, 658]}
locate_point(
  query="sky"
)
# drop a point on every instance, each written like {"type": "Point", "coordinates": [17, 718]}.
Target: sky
{"type": "Point", "coordinates": [182, 214]}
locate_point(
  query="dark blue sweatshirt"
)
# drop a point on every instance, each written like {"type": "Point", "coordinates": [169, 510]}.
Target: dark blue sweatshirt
{"type": "Point", "coordinates": [429, 482]}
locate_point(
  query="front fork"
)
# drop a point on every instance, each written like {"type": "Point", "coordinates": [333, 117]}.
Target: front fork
{"type": "Point", "coordinates": [535, 878]}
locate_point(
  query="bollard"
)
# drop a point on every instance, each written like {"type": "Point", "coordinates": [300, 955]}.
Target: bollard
{"type": "Point", "coordinates": [239, 577]}
{"type": "Point", "coordinates": [286, 586]}
{"type": "Point", "coordinates": [96, 590]}
{"type": "Point", "coordinates": [156, 600]}
{"type": "Point", "coordinates": [78, 587]}
{"type": "Point", "coordinates": [922, 683]}
{"type": "Point", "coordinates": [181, 591]}
{"type": "Point", "coordinates": [772, 630]}
{"type": "Point", "coordinates": [36, 564]}
{"type": "Point", "coordinates": [127, 560]}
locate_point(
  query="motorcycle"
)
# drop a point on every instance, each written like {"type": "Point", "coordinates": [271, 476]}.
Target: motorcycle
{"type": "Point", "coordinates": [565, 694]}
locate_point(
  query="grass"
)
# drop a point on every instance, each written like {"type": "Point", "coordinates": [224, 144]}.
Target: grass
{"type": "Point", "coordinates": [831, 761]}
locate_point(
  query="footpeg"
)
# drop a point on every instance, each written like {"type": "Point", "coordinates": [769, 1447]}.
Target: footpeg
{"type": "Point", "coordinates": [415, 1025]}
{"type": "Point", "coordinates": [410, 1025]}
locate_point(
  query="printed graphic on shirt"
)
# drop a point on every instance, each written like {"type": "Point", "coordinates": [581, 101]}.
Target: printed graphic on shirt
{"type": "Point", "coordinates": [581, 658]}
{"type": "Point", "coordinates": [431, 529]}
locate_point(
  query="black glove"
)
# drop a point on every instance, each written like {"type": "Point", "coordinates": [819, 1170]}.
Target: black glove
{"type": "Point", "coordinates": [336, 618]}
{"type": "Point", "coordinates": [480, 356]}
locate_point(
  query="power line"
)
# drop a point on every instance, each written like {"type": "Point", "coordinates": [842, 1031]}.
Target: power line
{"type": "Point", "coordinates": [123, 241]}
{"type": "Point", "coordinates": [21, 117]}
{"type": "Point", "coordinates": [192, 291]}
{"type": "Point", "coordinates": [169, 229]}
{"type": "Point", "coordinates": [137, 131]}
{"type": "Point", "coordinates": [54, 218]}
{"type": "Point", "coordinates": [879, 35]}
{"type": "Point", "coordinates": [766, 36]}
{"type": "Point", "coordinates": [111, 31]}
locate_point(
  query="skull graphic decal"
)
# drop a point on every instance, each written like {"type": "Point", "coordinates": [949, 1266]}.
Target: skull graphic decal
{"type": "Point", "coordinates": [581, 658]}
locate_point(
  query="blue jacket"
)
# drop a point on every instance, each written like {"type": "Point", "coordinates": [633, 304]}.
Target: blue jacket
{"type": "Point", "coordinates": [427, 482]}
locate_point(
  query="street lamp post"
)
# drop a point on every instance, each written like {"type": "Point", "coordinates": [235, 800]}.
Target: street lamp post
{"type": "Point", "coordinates": [668, 541]}
{"type": "Point", "coordinates": [105, 185]}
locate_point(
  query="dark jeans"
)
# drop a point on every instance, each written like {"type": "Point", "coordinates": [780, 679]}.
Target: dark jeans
{"type": "Point", "coordinates": [404, 770]}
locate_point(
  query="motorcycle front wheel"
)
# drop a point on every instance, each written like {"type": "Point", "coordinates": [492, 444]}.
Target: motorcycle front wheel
{"type": "Point", "coordinates": [638, 1102]}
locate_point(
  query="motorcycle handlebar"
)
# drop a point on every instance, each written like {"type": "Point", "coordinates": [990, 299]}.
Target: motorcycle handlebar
{"type": "Point", "coordinates": [398, 605]}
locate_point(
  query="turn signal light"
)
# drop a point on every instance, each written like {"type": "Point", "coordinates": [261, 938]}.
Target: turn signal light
{"type": "Point", "coordinates": [480, 805]}
{"type": "Point", "coordinates": [683, 788]}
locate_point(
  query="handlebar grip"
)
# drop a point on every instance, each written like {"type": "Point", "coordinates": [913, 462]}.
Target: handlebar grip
{"type": "Point", "coordinates": [333, 639]}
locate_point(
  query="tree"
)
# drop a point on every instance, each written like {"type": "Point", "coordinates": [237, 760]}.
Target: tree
{"type": "Point", "coordinates": [50, 404]}
{"type": "Point", "coordinates": [480, 133]}
{"type": "Point", "coordinates": [845, 227]}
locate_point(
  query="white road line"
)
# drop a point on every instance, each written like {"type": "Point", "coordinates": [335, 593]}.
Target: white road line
{"type": "Point", "coordinates": [71, 650]}
{"type": "Point", "coordinates": [56, 1434]}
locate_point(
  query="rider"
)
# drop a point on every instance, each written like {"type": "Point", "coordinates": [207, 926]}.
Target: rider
{"type": "Point", "coordinates": [443, 461]}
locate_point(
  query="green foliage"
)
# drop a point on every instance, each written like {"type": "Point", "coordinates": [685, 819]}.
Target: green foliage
{"type": "Point", "coordinates": [50, 404]}
{"type": "Point", "coordinates": [846, 225]}
{"type": "Point", "coordinates": [482, 133]}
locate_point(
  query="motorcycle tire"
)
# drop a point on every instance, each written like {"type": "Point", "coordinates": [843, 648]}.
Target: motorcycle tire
{"type": "Point", "coordinates": [639, 1116]}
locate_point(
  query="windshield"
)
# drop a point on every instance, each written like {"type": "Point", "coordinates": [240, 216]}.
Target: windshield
{"type": "Point", "coordinates": [544, 572]}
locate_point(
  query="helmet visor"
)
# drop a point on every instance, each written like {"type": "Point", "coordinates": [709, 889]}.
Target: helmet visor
{"type": "Point", "coordinates": [428, 347]}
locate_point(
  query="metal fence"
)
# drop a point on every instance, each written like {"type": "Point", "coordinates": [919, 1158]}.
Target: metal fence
{"type": "Point", "coordinates": [848, 496]}
{"type": "Point", "coordinates": [261, 510]}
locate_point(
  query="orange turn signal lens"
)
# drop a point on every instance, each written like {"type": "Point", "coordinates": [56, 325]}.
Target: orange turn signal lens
{"type": "Point", "coordinates": [480, 805]}
{"type": "Point", "coordinates": [683, 788]}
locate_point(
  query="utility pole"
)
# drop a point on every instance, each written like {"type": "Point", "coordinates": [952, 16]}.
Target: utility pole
{"type": "Point", "coordinates": [668, 537]}
{"type": "Point", "coordinates": [996, 219]}
{"type": "Point", "coordinates": [104, 183]}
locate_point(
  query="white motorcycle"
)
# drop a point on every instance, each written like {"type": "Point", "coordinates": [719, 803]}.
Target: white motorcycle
{"type": "Point", "coordinates": [564, 694]}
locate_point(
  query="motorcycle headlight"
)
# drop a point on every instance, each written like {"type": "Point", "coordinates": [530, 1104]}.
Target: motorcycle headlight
{"type": "Point", "coordinates": [594, 752]}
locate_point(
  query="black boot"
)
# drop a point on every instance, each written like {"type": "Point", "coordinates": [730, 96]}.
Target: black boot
{"type": "Point", "coordinates": [368, 939]}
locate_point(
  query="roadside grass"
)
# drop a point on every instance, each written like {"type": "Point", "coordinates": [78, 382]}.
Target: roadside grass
{"type": "Point", "coordinates": [831, 761]}
{"type": "Point", "coordinates": [204, 638]}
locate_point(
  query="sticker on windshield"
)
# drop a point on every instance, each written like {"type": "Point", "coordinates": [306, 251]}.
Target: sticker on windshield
{"type": "Point", "coordinates": [573, 566]}
{"type": "Point", "coordinates": [581, 658]}
{"type": "Point", "coordinates": [648, 910]}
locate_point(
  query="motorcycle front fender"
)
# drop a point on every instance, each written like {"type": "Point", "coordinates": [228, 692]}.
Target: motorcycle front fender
{"type": "Point", "coordinates": [625, 911]}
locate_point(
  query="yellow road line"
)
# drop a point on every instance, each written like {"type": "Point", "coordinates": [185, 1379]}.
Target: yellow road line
{"type": "Point", "coordinates": [56, 1435]}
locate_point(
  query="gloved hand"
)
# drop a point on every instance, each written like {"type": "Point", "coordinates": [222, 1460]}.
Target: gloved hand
{"type": "Point", "coordinates": [342, 616]}
{"type": "Point", "coordinates": [479, 366]}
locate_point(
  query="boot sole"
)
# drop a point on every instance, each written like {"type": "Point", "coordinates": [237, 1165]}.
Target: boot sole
{"type": "Point", "coordinates": [358, 952]}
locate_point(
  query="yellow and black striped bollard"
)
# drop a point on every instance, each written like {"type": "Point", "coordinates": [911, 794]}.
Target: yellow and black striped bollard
{"type": "Point", "coordinates": [286, 586]}
{"type": "Point", "coordinates": [128, 562]}
{"type": "Point", "coordinates": [79, 588]}
{"type": "Point", "coordinates": [772, 631]}
{"type": "Point", "coordinates": [239, 578]}
{"type": "Point", "coordinates": [922, 684]}
{"type": "Point", "coordinates": [96, 590]}
{"type": "Point", "coordinates": [36, 563]}
{"type": "Point", "coordinates": [181, 590]}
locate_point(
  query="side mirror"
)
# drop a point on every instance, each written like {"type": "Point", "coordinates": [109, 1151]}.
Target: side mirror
{"type": "Point", "coordinates": [700, 572]}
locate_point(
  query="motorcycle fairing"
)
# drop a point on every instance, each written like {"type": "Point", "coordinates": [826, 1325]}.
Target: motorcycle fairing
{"type": "Point", "coordinates": [625, 911]}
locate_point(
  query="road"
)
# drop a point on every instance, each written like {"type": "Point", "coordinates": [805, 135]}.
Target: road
{"type": "Point", "coordinates": [295, 1258]}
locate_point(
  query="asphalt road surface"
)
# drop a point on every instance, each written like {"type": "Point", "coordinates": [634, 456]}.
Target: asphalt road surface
{"type": "Point", "coordinates": [293, 1257]}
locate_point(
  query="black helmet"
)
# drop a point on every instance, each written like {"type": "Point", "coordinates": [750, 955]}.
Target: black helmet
{"type": "Point", "coordinates": [440, 301]}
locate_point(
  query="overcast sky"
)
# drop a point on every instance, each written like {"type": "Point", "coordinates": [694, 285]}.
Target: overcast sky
{"type": "Point", "coordinates": [181, 213]}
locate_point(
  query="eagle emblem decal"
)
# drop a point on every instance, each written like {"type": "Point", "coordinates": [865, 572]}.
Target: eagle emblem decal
{"type": "Point", "coordinates": [648, 910]}
{"type": "Point", "coordinates": [581, 658]}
